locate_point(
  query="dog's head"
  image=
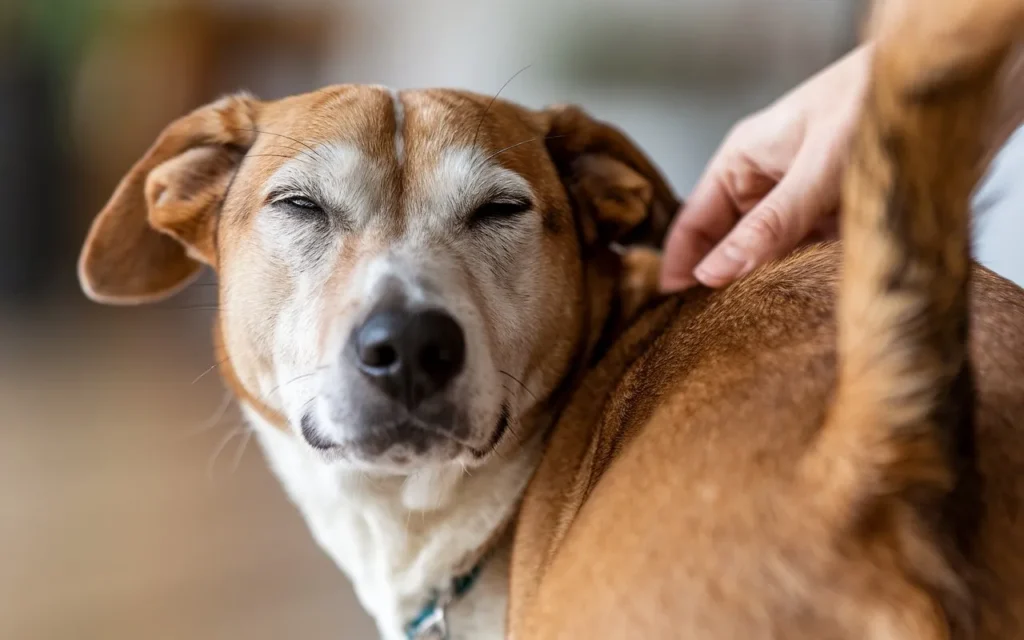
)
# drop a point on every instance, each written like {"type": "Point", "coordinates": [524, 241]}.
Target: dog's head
{"type": "Point", "coordinates": [402, 276]}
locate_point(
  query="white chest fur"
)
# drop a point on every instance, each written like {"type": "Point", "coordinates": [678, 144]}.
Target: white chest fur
{"type": "Point", "coordinates": [397, 539]}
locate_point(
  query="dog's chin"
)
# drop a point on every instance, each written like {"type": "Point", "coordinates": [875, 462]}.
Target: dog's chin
{"type": "Point", "coordinates": [404, 445]}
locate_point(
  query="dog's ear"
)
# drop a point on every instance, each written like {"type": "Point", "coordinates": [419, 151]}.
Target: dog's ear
{"type": "Point", "coordinates": [159, 226]}
{"type": "Point", "coordinates": [618, 194]}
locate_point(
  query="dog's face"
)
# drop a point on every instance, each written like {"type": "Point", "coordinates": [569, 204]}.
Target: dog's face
{"type": "Point", "coordinates": [401, 274]}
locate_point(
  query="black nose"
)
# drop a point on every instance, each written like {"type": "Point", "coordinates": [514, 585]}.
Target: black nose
{"type": "Point", "coordinates": [410, 355]}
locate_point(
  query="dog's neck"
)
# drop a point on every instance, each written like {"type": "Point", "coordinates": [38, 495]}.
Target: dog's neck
{"type": "Point", "coordinates": [401, 538]}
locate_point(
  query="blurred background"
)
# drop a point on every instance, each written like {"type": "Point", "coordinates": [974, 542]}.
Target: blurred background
{"type": "Point", "coordinates": [132, 503]}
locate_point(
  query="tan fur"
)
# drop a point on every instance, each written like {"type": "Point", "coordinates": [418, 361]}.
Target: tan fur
{"type": "Point", "coordinates": [715, 478]}
{"type": "Point", "coordinates": [715, 466]}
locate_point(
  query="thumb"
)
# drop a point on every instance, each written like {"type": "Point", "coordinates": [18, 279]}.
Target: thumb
{"type": "Point", "coordinates": [773, 228]}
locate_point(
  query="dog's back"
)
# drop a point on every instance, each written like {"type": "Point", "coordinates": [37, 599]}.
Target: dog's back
{"type": "Point", "coordinates": [729, 471]}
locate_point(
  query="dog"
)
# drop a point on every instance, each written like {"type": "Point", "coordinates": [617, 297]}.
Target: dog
{"type": "Point", "coordinates": [438, 311]}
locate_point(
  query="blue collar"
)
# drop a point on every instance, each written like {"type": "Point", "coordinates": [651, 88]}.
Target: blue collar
{"type": "Point", "coordinates": [431, 622]}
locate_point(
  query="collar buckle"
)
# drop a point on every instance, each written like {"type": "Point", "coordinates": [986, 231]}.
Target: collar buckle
{"type": "Point", "coordinates": [432, 625]}
{"type": "Point", "coordinates": [432, 621]}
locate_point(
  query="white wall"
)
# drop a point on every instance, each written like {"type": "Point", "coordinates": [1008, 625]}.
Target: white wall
{"type": "Point", "coordinates": [1000, 206]}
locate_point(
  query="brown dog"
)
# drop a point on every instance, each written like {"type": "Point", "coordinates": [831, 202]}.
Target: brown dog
{"type": "Point", "coordinates": [416, 287]}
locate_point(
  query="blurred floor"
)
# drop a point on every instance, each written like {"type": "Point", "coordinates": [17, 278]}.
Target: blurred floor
{"type": "Point", "coordinates": [116, 522]}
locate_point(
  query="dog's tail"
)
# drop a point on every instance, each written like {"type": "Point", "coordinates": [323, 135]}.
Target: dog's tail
{"type": "Point", "coordinates": [904, 396]}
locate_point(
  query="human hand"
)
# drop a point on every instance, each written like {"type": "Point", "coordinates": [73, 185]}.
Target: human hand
{"type": "Point", "coordinates": [772, 185]}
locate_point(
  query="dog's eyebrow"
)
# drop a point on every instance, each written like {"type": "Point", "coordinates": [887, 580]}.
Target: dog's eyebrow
{"type": "Point", "coordinates": [298, 174]}
{"type": "Point", "coordinates": [506, 193]}
{"type": "Point", "coordinates": [466, 178]}
{"type": "Point", "coordinates": [290, 182]}
{"type": "Point", "coordinates": [336, 177]}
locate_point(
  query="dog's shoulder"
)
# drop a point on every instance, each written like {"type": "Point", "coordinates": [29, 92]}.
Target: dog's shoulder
{"type": "Point", "coordinates": [685, 356]}
{"type": "Point", "coordinates": [746, 373]}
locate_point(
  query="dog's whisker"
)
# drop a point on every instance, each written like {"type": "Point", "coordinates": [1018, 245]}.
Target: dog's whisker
{"type": "Point", "coordinates": [214, 419]}
{"type": "Point", "coordinates": [300, 154]}
{"type": "Point", "coordinates": [237, 460]}
{"type": "Point", "coordinates": [237, 431]}
{"type": "Point", "coordinates": [208, 371]}
{"type": "Point", "coordinates": [304, 376]}
{"type": "Point", "coordinates": [511, 430]}
{"type": "Point", "coordinates": [520, 383]}
{"type": "Point", "coordinates": [305, 405]}
{"type": "Point", "coordinates": [497, 452]}
{"type": "Point", "coordinates": [519, 144]}
{"type": "Point", "coordinates": [266, 400]}
{"type": "Point", "coordinates": [515, 434]}
{"type": "Point", "coordinates": [282, 156]}
{"type": "Point", "coordinates": [479, 124]}
{"type": "Point", "coordinates": [281, 135]}
{"type": "Point", "coordinates": [189, 307]}
{"type": "Point", "coordinates": [271, 155]}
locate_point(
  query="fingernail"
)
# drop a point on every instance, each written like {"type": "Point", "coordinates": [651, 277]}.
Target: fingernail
{"type": "Point", "coordinates": [722, 266]}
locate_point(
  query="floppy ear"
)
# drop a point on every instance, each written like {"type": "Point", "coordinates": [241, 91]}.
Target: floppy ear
{"type": "Point", "coordinates": [618, 194]}
{"type": "Point", "coordinates": [159, 226]}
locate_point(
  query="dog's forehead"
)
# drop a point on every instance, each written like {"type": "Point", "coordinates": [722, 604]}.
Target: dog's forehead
{"type": "Point", "coordinates": [411, 126]}
{"type": "Point", "coordinates": [353, 114]}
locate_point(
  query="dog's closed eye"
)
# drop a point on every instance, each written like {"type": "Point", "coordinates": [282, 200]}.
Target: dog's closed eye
{"type": "Point", "coordinates": [500, 211]}
{"type": "Point", "coordinates": [300, 202]}
{"type": "Point", "coordinates": [299, 205]}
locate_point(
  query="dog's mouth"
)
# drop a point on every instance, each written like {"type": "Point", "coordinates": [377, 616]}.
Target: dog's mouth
{"type": "Point", "coordinates": [307, 426]}
{"type": "Point", "coordinates": [499, 432]}
{"type": "Point", "coordinates": [411, 432]}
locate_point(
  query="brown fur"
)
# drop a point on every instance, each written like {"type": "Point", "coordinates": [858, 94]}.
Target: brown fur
{"type": "Point", "coordinates": [714, 477]}
{"type": "Point", "coordinates": [698, 415]}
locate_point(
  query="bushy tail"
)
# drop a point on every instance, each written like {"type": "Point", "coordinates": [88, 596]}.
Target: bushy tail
{"type": "Point", "coordinates": [904, 393]}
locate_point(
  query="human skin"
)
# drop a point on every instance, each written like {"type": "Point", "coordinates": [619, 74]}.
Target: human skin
{"type": "Point", "coordinates": [773, 184]}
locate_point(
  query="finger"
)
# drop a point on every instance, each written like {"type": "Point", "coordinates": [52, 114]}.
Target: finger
{"type": "Point", "coordinates": [705, 219]}
{"type": "Point", "coordinates": [772, 228]}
